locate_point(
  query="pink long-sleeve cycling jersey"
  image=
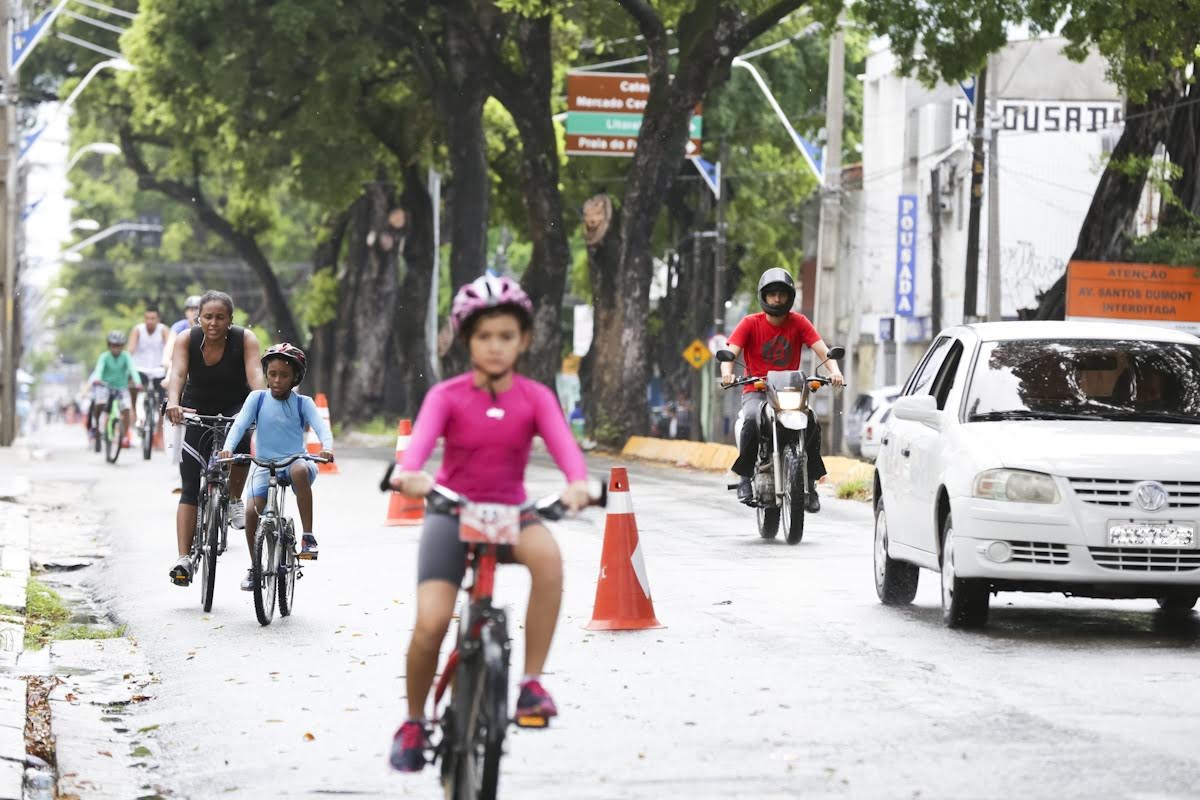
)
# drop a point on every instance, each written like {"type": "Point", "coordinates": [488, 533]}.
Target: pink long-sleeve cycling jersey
{"type": "Point", "coordinates": [487, 442]}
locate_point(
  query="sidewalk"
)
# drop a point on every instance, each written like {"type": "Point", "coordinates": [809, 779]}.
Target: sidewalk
{"type": "Point", "coordinates": [14, 575]}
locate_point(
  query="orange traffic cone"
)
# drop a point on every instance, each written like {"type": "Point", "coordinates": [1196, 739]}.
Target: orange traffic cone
{"type": "Point", "coordinates": [156, 441]}
{"type": "Point", "coordinates": [404, 510]}
{"type": "Point", "coordinates": [313, 443]}
{"type": "Point", "coordinates": [623, 590]}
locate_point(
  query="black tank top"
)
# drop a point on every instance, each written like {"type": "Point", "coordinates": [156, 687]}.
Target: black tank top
{"type": "Point", "coordinates": [221, 388]}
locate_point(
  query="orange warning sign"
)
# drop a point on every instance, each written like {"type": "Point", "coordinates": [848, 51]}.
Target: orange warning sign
{"type": "Point", "coordinates": [696, 354]}
{"type": "Point", "coordinates": [1141, 292]}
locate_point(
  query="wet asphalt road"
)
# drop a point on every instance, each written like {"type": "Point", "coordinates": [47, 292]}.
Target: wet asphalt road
{"type": "Point", "coordinates": [778, 675]}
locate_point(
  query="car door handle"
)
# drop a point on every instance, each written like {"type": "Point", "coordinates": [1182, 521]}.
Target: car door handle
{"type": "Point", "coordinates": [884, 442]}
{"type": "Point", "coordinates": [905, 452]}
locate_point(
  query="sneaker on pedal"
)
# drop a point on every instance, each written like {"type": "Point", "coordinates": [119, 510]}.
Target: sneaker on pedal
{"type": "Point", "coordinates": [181, 573]}
{"type": "Point", "coordinates": [308, 547]}
{"type": "Point", "coordinates": [745, 491]}
{"type": "Point", "coordinates": [237, 514]}
{"type": "Point", "coordinates": [248, 581]}
{"type": "Point", "coordinates": [408, 747]}
{"type": "Point", "coordinates": [535, 706]}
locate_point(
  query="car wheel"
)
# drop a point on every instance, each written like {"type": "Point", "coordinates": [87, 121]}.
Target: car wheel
{"type": "Point", "coordinates": [964, 600]}
{"type": "Point", "coordinates": [1178, 602]}
{"type": "Point", "coordinates": [895, 581]}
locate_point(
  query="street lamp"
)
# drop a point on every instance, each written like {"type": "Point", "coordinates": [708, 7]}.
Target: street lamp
{"type": "Point", "coordinates": [27, 142]}
{"type": "Point", "coordinates": [120, 227]}
{"type": "Point", "coordinates": [796, 140]}
{"type": "Point", "coordinates": [85, 225]}
{"type": "Point", "coordinates": [103, 148]}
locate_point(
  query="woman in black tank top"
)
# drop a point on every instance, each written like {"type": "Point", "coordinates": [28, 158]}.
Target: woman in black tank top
{"type": "Point", "coordinates": [217, 365]}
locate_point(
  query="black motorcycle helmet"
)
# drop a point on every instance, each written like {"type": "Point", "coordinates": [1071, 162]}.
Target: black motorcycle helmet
{"type": "Point", "coordinates": [776, 278]}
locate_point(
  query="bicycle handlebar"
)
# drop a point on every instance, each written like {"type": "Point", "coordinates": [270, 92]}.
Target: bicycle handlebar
{"type": "Point", "coordinates": [444, 500]}
{"type": "Point", "coordinates": [272, 463]}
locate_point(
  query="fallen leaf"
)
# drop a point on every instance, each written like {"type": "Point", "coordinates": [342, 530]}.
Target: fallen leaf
{"type": "Point", "coordinates": [104, 753]}
{"type": "Point", "coordinates": [141, 751]}
{"type": "Point", "coordinates": [148, 728]}
{"type": "Point", "coordinates": [308, 737]}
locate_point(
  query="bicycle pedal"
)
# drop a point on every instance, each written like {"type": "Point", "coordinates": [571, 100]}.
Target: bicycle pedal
{"type": "Point", "coordinates": [303, 556]}
{"type": "Point", "coordinates": [532, 722]}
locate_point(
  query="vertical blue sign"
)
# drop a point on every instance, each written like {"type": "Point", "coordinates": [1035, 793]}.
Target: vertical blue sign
{"type": "Point", "coordinates": [906, 255]}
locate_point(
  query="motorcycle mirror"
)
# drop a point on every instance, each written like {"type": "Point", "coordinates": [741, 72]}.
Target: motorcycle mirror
{"type": "Point", "coordinates": [725, 355]}
{"type": "Point", "coordinates": [836, 353]}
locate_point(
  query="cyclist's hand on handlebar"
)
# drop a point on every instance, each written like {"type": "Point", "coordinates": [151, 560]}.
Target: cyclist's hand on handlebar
{"type": "Point", "coordinates": [224, 454]}
{"type": "Point", "coordinates": [175, 413]}
{"type": "Point", "coordinates": [837, 379]}
{"type": "Point", "coordinates": [727, 379]}
{"type": "Point", "coordinates": [576, 496]}
{"type": "Point", "coordinates": [413, 484]}
{"type": "Point", "coordinates": [326, 454]}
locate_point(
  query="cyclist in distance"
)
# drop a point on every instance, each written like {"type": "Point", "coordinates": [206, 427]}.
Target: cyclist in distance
{"type": "Point", "coordinates": [213, 368]}
{"type": "Point", "coordinates": [487, 418]}
{"type": "Point", "coordinates": [191, 311]}
{"type": "Point", "coordinates": [281, 416]}
{"type": "Point", "coordinates": [148, 344]}
{"type": "Point", "coordinates": [115, 371]}
{"type": "Point", "coordinates": [773, 340]}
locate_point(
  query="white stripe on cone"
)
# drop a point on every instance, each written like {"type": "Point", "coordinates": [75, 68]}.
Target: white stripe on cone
{"type": "Point", "coordinates": [402, 443]}
{"type": "Point", "coordinates": [639, 569]}
{"type": "Point", "coordinates": [620, 503]}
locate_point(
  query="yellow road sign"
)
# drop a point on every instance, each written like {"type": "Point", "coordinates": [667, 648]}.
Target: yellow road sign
{"type": "Point", "coordinates": [696, 354]}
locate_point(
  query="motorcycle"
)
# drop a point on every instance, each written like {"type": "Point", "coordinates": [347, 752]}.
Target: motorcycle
{"type": "Point", "coordinates": [780, 481]}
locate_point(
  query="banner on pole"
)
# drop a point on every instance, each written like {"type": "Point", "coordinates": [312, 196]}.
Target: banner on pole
{"type": "Point", "coordinates": [906, 255]}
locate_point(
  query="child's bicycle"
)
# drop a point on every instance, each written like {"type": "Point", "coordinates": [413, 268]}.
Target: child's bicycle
{"type": "Point", "coordinates": [275, 566]}
{"type": "Point", "coordinates": [475, 720]}
{"type": "Point", "coordinates": [212, 508]}
{"type": "Point", "coordinates": [106, 423]}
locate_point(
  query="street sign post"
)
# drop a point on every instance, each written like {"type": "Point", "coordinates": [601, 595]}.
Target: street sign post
{"type": "Point", "coordinates": [604, 114]}
{"type": "Point", "coordinates": [696, 354]}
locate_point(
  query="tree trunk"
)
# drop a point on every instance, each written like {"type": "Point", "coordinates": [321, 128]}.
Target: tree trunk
{"type": "Point", "coordinates": [1183, 147]}
{"type": "Point", "coordinates": [602, 224]}
{"type": "Point", "coordinates": [468, 193]}
{"type": "Point", "coordinates": [368, 284]}
{"type": "Point", "coordinates": [527, 98]}
{"type": "Point", "coordinates": [410, 382]}
{"type": "Point", "coordinates": [1104, 234]}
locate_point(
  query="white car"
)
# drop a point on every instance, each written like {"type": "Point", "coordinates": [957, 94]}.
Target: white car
{"type": "Point", "coordinates": [864, 406]}
{"type": "Point", "coordinates": [1044, 457]}
{"type": "Point", "coordinates": [873, 428]}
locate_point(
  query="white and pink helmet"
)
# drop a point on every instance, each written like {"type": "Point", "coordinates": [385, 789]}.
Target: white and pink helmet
{"type": "Point", "coordinates": [487, 292]}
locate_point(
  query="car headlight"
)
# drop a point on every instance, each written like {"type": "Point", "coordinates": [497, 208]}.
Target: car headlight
{"type": "Point", "coordinates": [789, 401]}
{"type": "Point", "coordinates": [1016, 485]}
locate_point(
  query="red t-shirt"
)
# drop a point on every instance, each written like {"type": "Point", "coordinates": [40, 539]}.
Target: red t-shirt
{"type": "Point", "coordinates": [766, 347]}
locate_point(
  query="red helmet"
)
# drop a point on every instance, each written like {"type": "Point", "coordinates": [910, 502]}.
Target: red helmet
{"type": "Point", "coordinates": [290, 353]}
{"type": "Point", "coordinates": [487, 292]}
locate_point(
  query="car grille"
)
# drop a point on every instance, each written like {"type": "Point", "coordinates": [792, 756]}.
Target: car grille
{"type": "Point", "coordinates": [1039, 553]}
{"type": "Point", "coordinates": [1145, 559]}
{"type": "Point", "coordinates": [1118, 493]}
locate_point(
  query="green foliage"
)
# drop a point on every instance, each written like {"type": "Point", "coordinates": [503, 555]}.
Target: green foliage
{"type": "Point", "coordinates": [1177, 246]}
{"type": "Point", "coordinates": [856, 489]}
{"type": "Point", "coordinates": [316, 303]}
{"type": "Point", "coordinates": [46, 616]}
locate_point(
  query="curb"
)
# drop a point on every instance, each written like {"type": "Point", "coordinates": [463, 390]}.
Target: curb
{"type": "Point", "coordinates": [14, 576]}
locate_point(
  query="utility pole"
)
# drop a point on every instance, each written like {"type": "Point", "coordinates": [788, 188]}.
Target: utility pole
{"type": "Point", "coordinates": [971, 280]}
{"type": "Point", "coordinates": [993, 262]}
{"type": "Point", "coordinates": [716, 417]}
{"type": "Point", "coordinates": [935, 248]}
{"type": "Point", "coordinates": [8, 193]}
{"type": "Point", "coordinates": [828, 240]}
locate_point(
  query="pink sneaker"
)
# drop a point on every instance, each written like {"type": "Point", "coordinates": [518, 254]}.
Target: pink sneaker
{"type": "Point", "coordinates": [408, 747]}
{"type": "Point", "coordinates": [535, 706]}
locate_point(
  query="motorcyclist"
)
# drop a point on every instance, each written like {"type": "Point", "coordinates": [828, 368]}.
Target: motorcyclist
{"type": "Point", "coordinates": [773, 340]}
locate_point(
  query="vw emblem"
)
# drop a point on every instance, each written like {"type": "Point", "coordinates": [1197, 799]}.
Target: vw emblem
{"type": "Point", "coordinates": [1150, 495]}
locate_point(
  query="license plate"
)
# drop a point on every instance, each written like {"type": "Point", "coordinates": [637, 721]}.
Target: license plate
{"type": "Point", "coordinates": [1151, 534]}
{"type": "Point", "coordinates": [489, 523]}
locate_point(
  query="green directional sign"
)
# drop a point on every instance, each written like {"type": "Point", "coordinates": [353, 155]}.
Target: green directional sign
{"type": "Point", "coordinates": [600, 123]}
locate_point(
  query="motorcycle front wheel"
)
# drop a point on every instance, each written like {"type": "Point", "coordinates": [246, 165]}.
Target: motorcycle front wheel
{"type": "Point", "coordinates": [795, 481]}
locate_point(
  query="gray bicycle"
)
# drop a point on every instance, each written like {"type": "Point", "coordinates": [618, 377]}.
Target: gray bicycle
{"type": "Point", "coordinates": [275, 567]}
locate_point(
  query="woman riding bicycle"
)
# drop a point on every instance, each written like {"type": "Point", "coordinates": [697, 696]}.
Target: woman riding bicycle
{"type": "Point", "coordinates": [214, 366]}
{"type": "Point", "coordinates": [487, 418]}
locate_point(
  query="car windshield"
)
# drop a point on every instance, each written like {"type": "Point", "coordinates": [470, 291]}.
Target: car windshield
{"type": "Point", "coordinates": [1086, 379]}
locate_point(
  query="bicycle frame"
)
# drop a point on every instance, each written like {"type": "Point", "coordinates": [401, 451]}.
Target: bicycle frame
{"type": "Point", "coordinates": [481, 568]}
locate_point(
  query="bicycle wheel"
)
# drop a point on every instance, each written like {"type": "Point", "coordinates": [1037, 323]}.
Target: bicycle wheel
{"type": "Point", "coordinates": [148, 428]}
{"type": "Point", "coordinates": [482, 712]}
{"type": "Point", "coordinates": [262, 573]}
{"type": "Point", "coordinates": [208, 549]}
{"type": "Point", "coordinates": [287, 568]}
{"type": "Point", "coordinates": [112, 433]}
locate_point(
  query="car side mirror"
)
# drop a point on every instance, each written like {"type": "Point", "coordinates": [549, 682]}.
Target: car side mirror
{"type": "Point", "coordinates": [918, 408]}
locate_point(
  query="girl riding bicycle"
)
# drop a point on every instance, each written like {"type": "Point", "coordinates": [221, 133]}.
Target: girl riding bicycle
{"type": "Point", "coordinates": [487, 418]}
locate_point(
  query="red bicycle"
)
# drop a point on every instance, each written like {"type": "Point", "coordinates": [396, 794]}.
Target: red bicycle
{"type": "Point", "coordinates": [475, 719]}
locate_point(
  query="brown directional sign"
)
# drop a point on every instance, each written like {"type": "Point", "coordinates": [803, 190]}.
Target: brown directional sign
{"type": "Point", "coordinates": [605, 114]}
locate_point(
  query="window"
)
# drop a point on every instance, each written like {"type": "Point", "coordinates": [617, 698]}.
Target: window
{"type": "Point", "coordinates": [927, 369]}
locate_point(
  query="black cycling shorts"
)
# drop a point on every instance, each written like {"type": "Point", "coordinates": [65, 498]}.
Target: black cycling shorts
{"type": "Point", "coordinates": [442, 557]}
{"type": "Point", "coordinates": [197, 447]}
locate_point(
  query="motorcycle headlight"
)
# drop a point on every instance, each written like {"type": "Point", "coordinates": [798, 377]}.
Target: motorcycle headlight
{"type": "Point", "coordinates": [1016, 485]}
{"type": "Point", "coordinates": [789, 401]}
